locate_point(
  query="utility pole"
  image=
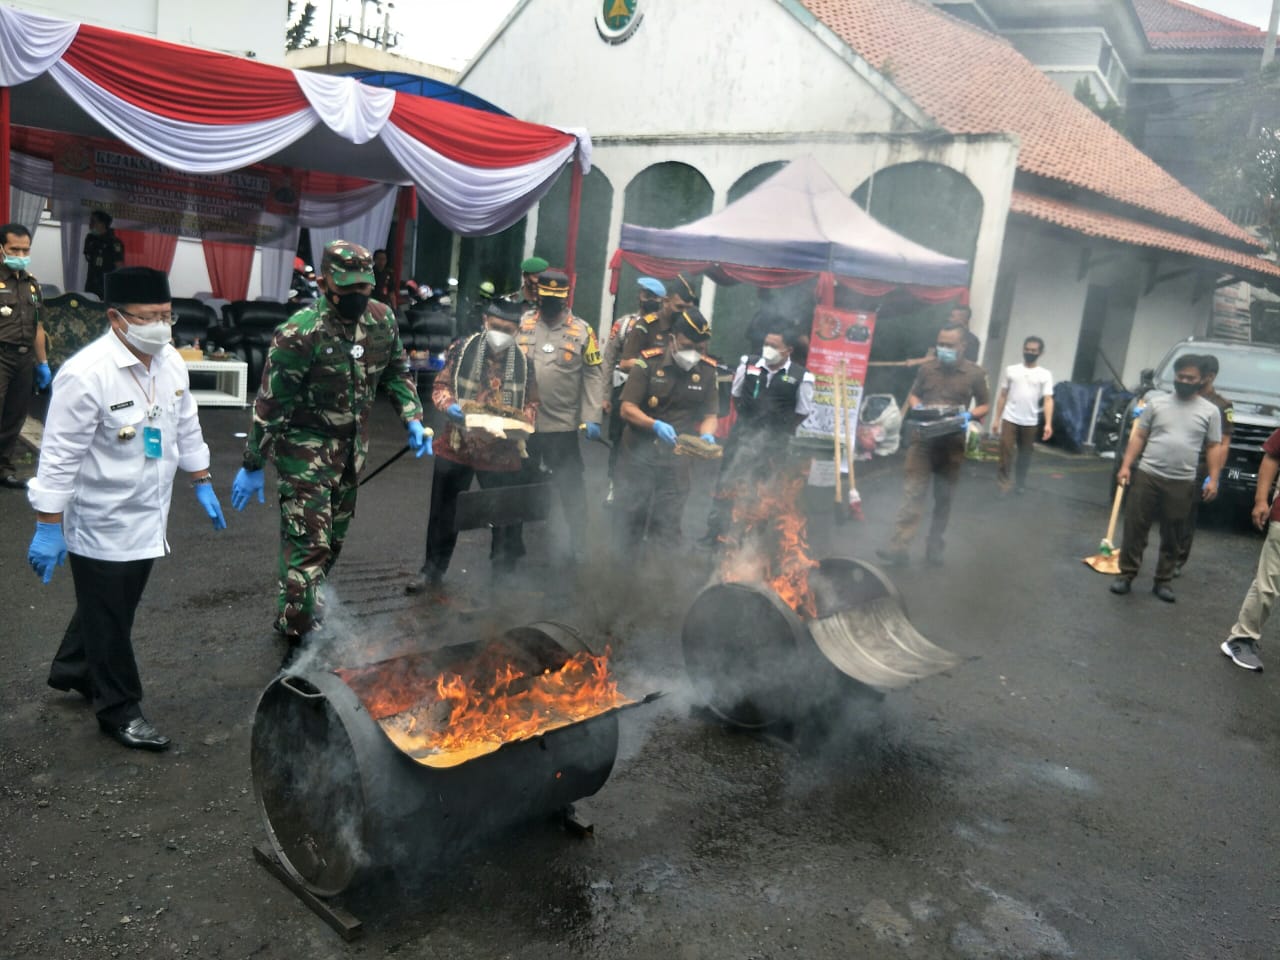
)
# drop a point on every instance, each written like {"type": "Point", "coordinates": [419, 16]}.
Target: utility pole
{"type": "Point", "coordinates": [1269, 51]}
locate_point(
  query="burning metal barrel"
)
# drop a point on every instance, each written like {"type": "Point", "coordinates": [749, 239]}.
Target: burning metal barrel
{"type": "Point", "coordinates": [406, 763]}
{"type": "Point", "coordinates": [757, 661]}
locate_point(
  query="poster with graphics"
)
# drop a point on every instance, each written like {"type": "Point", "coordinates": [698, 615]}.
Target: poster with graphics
{"type": "Point", "coordinates": [838, 336]}
{"type": "Point", "coordinates": [257, 205]}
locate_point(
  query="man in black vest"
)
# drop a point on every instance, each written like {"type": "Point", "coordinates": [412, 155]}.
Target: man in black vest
{"type": "Point", "coordinates": [772, 395]}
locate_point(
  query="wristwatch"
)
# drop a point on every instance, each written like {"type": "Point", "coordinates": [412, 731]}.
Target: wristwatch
{"type": "Point", "coordinates": [207, 478]}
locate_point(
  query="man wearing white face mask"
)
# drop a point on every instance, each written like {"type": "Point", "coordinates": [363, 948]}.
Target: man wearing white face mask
{"type": "Point", "coordinates": [772, 395]}
{"type": "Point", "coordinates": [121, 423]}
{"type": "Point", "coordinates": [487, 369]}
{"type": "Point", "coordinates": [664, 397]}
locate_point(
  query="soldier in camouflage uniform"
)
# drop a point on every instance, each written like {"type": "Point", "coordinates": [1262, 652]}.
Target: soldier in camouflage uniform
{"type": "Point", "coordinates": [311, 419]}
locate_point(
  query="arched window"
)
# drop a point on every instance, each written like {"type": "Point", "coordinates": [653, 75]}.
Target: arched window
{"type": "Point", "coordinates": [664, 195]}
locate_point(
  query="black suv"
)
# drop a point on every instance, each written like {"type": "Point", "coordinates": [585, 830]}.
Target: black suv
{"type": "Point", "coordinates": [1248, 376]}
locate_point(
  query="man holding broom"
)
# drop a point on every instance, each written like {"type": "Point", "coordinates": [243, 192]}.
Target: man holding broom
{"type": "Point", "coordinates": [1165, 445]}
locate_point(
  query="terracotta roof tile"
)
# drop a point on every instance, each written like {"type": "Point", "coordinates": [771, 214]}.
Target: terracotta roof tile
{"type": "Point", "coordinates": [1109, 226]}
{"type": "Point", "coordinates": [1174, 25]}
{"type": "Point", "coordinates": [970, 81]}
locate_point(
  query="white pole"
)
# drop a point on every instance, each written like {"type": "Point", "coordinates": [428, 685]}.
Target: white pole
{"type": "Point", "coordinates": [1269, 51]}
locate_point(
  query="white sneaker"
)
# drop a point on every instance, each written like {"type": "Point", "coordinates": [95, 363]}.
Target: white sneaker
{"type": "Point", "coordinates": [1243, 653]}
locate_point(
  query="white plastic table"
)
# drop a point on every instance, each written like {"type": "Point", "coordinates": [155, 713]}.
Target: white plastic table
{"type": "Point", "coordinates": [230, 385]}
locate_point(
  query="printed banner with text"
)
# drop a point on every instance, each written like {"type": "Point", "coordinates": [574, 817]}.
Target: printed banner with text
{"type": "Point", "coordinates": [257, 205]}
{"type": "Point", "coordinates": [837, 335]}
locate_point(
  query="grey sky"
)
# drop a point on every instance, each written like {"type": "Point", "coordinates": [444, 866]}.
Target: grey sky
{"type": "Point", "coordinates": [1250, 11]}
{"type": "Point", "coordinates": [449, 32]}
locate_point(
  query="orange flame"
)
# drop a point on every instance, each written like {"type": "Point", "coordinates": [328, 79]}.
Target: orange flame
{"type": "Point", "coordinates": [448, 719]}
{"type": "Point", "coordinates": [768, 543]}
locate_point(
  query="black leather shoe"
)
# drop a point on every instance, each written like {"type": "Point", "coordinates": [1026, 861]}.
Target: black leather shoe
{"type": "Point", "coordinates": [424, 583]}
{"type": "Point", "coordinates": [13, 483]}
{"type": "Point", "coordinates": [67, 686]}
{"type": "Point", "coordinates": [1121, 585]}
{"type": "Point", "coordinates": [138, 734]}
{"type": "Point", "coordinates": [1164, 592]}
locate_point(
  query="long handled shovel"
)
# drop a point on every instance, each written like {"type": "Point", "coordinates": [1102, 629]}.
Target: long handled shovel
{"type": "Point", "coordinates": [1107, 559]}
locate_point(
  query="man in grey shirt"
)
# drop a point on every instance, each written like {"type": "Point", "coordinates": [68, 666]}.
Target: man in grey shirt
{"type": "Point", "coordinates": [1169, 437]}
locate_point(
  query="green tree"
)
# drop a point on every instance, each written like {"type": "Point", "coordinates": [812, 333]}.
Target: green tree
{"type": "Point", "coordinates": [1110, 111]}
{"type": "Point", "coordinates": [1240, 146]}
{"type": "Point", "coordinates": [297, 34]}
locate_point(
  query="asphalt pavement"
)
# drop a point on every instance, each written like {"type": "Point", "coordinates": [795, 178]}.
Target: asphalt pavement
{"type": "Point", "coordinates": [1095, 780]}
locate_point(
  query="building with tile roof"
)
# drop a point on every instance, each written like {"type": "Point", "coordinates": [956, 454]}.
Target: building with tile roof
{"type": "Point", "coordinates": [946, 131]}
{"type": "Point", "coordinates": [1166, 64]}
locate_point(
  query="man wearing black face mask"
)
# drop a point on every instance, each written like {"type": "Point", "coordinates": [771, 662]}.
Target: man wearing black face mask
{"type": "Point", "coordinates": [566, 358]}
{"type": "Point", "coordinates": [1024, 388]}
{"type": "Point", "coordinates": [1168, 438]}
{"type": "Point", "coordinates": [311, 417]}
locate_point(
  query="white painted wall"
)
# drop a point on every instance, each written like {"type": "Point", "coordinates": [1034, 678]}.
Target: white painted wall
{"type": "Point", "coordinates": [725, 88]}
{"type": "Point", "coordinates": [238, 27]}
{"type": "Point", "coordinates": [1162, 318]}
{"type": "Point", "coordinates": [1048, 300]}
{"type": "Point", "coordinates": [690, 67]}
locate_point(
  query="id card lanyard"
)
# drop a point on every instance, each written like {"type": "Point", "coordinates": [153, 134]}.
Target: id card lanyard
{"type": "Point", "coordinates": [152, 446]}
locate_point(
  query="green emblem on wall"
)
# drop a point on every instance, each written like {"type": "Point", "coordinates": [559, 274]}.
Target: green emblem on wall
{"type": "Point", "coordinates": [618, 21]}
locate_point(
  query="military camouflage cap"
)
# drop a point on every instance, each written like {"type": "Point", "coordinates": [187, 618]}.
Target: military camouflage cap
{"type": "Point", "coordinates": [346, 263]}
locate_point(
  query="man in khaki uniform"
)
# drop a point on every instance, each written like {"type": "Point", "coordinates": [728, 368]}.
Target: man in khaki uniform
{"type": "Point", "coordinates": [654, 330]}
{"type": "Point", "coordinates": [23, 356]}
{"type": "Point", "coordinates": [570, 376]}
{"type": "Point", "coordinates": [671, 391]}
{"type": "Point", "coordinates": [652, 293]}
{"type": "Point", "coordinates": [948, 379]}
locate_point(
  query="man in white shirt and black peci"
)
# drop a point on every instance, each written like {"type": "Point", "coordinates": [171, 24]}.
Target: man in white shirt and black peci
{"type": "Point", "coordinates": [1024, 388]}
{"type": "Point", "coordinates": [121, 423]}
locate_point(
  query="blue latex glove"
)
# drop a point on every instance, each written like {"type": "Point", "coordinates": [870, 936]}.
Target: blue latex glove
{"type": "Point", "coordinates": [245, 485]}
{"type": "Point", "coordinates": [593, 431]}
{"type": "Point", "coordinates": [209, 500]}
{"type": "Point", "coordinates": [44, 376]}
{"type": "Point", "coordinates": [47, 550]}
{"type": "Point", "coordinates": [709, 437]}
{"type": "Point", "coordinates": [454, 412]}
{"type": "Point", "coordinates": [419, 442]}
{"type": "Point", "coordinates": [665, 431]}
{"type": "Point", "coordinates": [966, 418]}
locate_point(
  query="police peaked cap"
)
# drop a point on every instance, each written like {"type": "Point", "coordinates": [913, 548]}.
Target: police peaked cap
{"type": "Point", "coordinates": [136, 285]}
{"type": "Point", "coordinates": [553, 283]}
{"type": "Point", "coordinates": [504, 310]}
{"type": "Point", "coordinates": [692, 324]}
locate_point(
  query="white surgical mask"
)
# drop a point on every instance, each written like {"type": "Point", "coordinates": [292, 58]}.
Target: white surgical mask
{"type": "Point", "coordinates": [687, 359]}
{"type": "Point", "coordinates": [148, 338]}
{"type": "Point", "coordinates": [498, 340]}
{"type": "Point", "coordinates": [772, 356]}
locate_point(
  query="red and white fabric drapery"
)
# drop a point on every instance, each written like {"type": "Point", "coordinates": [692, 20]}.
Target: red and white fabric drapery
{"type": "Point", "coordinates": [204, 112]}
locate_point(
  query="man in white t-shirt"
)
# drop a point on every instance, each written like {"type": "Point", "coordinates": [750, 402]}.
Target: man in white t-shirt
{"type": "Point", "coordinates": [1024, 388]}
